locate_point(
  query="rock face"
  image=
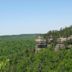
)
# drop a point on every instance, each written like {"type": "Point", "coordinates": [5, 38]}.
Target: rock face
{"type": "Point", "coordinates": [59, 43]}
{"type": "Point", "coordinates": [59, 46]}
{"type": "Point", "coordinates": [61, 40]}
{"type": "Point", "coordinates": [40, 43]}
{"type": "Point", "coordinates": [69, 38]}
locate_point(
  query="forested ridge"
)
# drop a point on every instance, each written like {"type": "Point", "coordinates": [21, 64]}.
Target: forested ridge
{"type": "Point", "coordinates": [63, 32]}
{"type": "Point", "coordinates": [17, 54]}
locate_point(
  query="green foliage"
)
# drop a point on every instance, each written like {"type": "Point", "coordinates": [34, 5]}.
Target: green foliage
{"type": "Point", "coordinates": [17, 54]}
{"type": "Point", "coordinates": [61, 33]}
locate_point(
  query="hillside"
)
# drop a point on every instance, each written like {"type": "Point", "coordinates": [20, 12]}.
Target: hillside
{"type": "Point", "coordinates": [17, 54]}
{"type": "Point", "coordinates": [63, 32]}
{"type": "Point", "coordinates": [22, 36]}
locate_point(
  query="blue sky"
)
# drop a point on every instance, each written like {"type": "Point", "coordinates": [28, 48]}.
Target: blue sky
{"type": "Point", "coordinates": [34, 16]}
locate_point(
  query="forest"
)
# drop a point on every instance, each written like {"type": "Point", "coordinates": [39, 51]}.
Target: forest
{"type": "Point", "coordinates": [17, 54]}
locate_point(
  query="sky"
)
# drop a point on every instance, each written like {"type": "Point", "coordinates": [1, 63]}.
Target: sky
{"type": "Point", "coordinates": [34, 16]}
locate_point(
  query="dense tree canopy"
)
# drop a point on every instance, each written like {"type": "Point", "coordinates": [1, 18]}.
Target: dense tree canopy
{"type": "Point", "coordinates": [17, 54]}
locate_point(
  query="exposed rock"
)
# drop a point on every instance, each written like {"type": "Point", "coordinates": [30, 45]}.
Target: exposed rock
{"type": "Point", "coordinates": [59, 46]}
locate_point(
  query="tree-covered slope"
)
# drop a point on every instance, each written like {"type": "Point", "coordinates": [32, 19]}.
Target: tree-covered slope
{"type": "Point", "coordinates": [63, 32]}
{"type": "Point", "coordinates": [19, 56]}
